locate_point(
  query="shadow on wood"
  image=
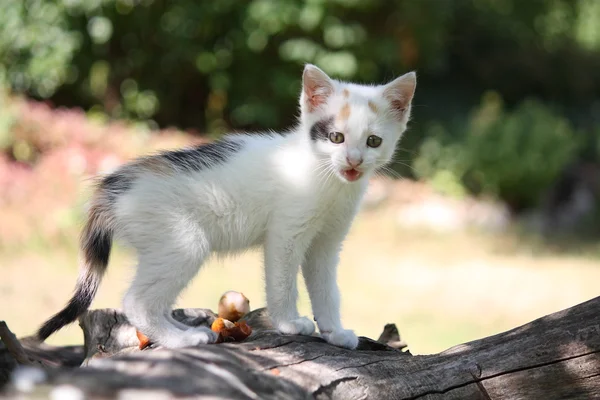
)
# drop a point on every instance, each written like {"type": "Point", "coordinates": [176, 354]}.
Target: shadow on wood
{"type": "Point", "coordinates": [554, 357]}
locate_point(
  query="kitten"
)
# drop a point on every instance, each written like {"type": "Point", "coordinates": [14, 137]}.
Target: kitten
{"type": "Point", "coordinates": [294, 194]}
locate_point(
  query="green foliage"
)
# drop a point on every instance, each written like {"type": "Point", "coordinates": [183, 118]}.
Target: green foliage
{"type": "Point", "coordinates": [518, 154]}
{"type": "Point", "coordinates": [514, 155]}
{"type": "Point", "coordinates": [36, 45]}
{"type": "Point", "coordinates": [214, 66]}
{"type": "Point", "coordinates": [7, 120]}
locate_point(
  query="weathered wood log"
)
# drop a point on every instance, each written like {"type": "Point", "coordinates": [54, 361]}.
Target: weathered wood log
{"type": "Point", "coordinates": [13, 346]}
{"type": "Point", "coordinates": [107, 332]}
{"type": "Point", "coordinates": [30, 352]}
{"type": "Point", "coordinates": [554, 357]}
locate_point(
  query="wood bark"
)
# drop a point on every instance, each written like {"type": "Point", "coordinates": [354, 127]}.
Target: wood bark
{"type": "Point", "coordinates": [554, 357]}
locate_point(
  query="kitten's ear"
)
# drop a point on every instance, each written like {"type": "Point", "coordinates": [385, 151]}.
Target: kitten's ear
{"type": "Point", "coordinates": [316, 87]}
{"type": "Point", "coordinates": [400, 92]}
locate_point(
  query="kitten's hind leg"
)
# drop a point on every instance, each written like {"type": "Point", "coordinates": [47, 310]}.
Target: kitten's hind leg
{"type": "Point", "coordinates": [158, 281]}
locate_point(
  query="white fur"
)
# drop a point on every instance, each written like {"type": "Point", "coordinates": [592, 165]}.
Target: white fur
{"type": "Point", "coordinates": [283, 193]}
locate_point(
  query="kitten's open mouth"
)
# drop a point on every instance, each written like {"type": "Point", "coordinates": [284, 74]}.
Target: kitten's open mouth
{"type": "Point", "coordinates": [351, 175]}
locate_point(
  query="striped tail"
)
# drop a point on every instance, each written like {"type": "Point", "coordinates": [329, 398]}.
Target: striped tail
{"type": "Point", "coordinates": [96, 242]}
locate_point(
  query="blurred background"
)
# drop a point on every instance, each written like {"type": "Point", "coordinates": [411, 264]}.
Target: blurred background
{"type": "Point", "coordinates": [489, 219]}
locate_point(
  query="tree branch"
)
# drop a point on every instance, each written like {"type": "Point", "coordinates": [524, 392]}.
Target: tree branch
{"type": "Point", "coordinates": [556, 356]}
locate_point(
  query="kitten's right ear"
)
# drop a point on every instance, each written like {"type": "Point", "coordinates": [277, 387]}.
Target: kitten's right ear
{"type": "Point", "coordinates": [316, 87]}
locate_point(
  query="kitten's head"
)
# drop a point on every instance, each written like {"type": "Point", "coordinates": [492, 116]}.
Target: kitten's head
{"type": "Point", "coordinates": [354, 128]}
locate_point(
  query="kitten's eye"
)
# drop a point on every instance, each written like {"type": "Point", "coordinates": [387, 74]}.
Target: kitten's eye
{"type": "Point", "coordinates": [373, 141]}
{"type": "Point", "coordinates": [336, 137]}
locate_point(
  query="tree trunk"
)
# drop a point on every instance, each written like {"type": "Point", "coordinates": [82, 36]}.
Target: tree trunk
{"type": "Point", "coordinates": [554, 357]}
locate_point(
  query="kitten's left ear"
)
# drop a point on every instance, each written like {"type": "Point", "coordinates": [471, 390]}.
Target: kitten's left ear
{"type": "Point", "coordinates": [400, 92]}
{"type": "Point", "coordinates": [316, 87]}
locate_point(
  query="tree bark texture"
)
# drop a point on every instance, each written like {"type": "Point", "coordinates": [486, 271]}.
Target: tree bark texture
{"type": "Point", "coordinates": [554, 357]}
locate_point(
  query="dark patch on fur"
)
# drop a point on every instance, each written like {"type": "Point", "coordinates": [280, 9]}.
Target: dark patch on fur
{"type": "Point", "coordinates": [321, 129]}
{"type": "Point", "coordinates": [117, 183]}
{"type": "Point", "coordinates": [79, 303]}
{"type": "Point", "coordinates": [197, 158]}
{"type": "Point", "coordinates": [96, 242]}
{"type": "Point", "coordinates": [185, 160]}
{"type": "Point", "coordinates": [97, 247]}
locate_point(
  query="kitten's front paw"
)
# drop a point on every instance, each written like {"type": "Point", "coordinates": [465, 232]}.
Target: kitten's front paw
{"type": "Point", "coordinates": [191, 337]}
{"type": "Point", "coordinates": [299, 326]}
{"type": "Point", "coordinates": [341, 338]}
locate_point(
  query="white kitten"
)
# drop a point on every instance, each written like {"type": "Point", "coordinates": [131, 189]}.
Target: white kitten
{"type": "Point", "coordinates": [294, 194]}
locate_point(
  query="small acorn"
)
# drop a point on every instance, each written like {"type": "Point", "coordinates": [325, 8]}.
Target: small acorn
{"type": "Point", "coordinates": [233, 306]}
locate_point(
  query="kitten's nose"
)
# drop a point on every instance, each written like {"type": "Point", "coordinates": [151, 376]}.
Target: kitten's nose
{"type": "Point", "coordinates": [353, 163]}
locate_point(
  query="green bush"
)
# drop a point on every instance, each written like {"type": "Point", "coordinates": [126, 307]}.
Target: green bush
{"type": "Point", "coordinates": [514, 155]}
{"type": "Point", "coordinates": [217, 65]}
{"type": "Point", "coordinates": [210, 65]}
{"type": "Point", "coordinates": [36, 45]}
{"type": "Point", "coordinates": [7, 120]}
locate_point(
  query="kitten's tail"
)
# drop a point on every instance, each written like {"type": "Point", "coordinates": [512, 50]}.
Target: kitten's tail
{"type": "Point", "coordinates": [95, 242]}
